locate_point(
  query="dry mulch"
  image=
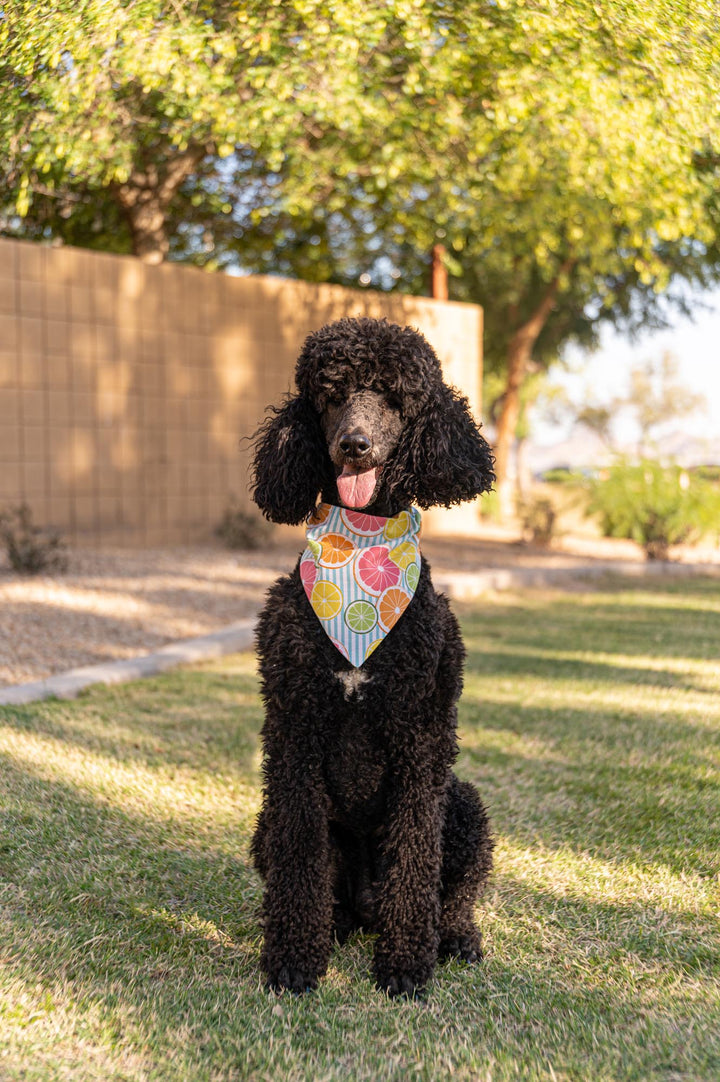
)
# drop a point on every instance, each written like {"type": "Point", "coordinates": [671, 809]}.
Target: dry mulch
{"type": "Point", "coordinates": [117, 603]}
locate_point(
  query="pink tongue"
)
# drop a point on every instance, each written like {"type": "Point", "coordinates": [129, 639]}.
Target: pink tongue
{"type": "Point", "coordinates": [356, 489]}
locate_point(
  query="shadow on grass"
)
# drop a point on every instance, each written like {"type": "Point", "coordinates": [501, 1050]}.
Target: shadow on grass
{"type": "Point", "coordinates": [529, 660]}
{"type": "Point", "coordinates": [188, 718]}
{"type": "Point", "coordinates": [621, 786]}
{"type": "Point", "coordinates": [152, 919]}
{"type": "Point", "coordinates": [103, 907]}
{"type": "Point", "coordinates": [674, 620]}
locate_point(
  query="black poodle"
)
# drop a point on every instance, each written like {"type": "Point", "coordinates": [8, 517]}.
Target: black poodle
{"type": "Point", "coordinates": [363, 823]}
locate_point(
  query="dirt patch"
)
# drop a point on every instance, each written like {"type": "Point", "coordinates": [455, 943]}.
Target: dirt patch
{"type": "Point", "coordinates": [117, 603]}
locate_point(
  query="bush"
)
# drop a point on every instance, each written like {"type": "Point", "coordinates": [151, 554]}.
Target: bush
{"type": "Point", "coordinates": [562, 475]}
{"type": "Point", "coordinates": [655, 505]}
{"type": "Point", "coordinates": [539, 521]}
{"type": "Point", "coordinates": [30, 548]}
{"type": "Point", "coordinates": [240, 529]}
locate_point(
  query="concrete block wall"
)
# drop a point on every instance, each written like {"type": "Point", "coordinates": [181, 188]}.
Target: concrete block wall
{"type": "Point", "coordinates": [125, 389]}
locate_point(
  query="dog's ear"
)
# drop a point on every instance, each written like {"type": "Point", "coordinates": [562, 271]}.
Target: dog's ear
{"type": "Point", "coordinates": [290, 461]}
{"type": "Point", "coordinates": [442, 458]}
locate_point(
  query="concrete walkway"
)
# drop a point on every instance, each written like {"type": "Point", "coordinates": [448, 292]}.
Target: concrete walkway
{"type": "Point", "coordinates": [458, 585]}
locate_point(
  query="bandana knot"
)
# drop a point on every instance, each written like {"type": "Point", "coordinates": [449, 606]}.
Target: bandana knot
{"type": "Point", "coordinates": [360, 573]}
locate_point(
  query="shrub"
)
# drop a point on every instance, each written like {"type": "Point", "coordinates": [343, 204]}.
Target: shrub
{"type": "Point", "coordinates": [655, 505]}
{"type": "Point", "coordinates": [30, 548]}
{"type": "Point", "coordinates": [539, 521]}
{"type": "Point", "coordinates": [240, 529]}
{"type": "Point", "coordinates": [563, 475]}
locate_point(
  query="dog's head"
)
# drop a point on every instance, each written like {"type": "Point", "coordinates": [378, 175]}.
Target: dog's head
{"type": "Point", "coordinates": [372, 426]}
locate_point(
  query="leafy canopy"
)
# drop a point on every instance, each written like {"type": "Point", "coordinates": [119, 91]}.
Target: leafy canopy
{"type": "Point", "coordinates": [542, 141]}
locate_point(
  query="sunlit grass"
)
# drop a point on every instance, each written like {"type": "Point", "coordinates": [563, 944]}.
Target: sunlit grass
{"type": "Point", "coordinates": [129, 931]}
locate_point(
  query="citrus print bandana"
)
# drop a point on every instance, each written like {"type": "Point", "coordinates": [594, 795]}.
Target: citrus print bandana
{"type": "Point", "coordinates": [360, 573]}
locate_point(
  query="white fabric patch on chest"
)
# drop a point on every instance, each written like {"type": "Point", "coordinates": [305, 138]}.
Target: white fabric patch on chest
{"type": "Point", "coordinates": [360, 573]}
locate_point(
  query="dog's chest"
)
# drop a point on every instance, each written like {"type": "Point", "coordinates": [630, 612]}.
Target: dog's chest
{"type": "Point", "coordinates": [355, 767]}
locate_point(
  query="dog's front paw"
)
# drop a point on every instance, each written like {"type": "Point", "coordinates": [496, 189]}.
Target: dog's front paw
{"type": "Point", "coordinates": [403, 977]}
{"type": "Point", "coordinates": [465, 948]}
{"type": "Point", "coordinates": [402, 984]}
{"type": "Point", "coordinates": [293, 979]}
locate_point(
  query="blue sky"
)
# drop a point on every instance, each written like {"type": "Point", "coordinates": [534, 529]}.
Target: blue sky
{"type": "Point", "coordinates": [695, 343]}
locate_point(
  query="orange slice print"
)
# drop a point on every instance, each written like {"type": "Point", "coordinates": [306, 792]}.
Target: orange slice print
{"type": "Point", "coordinates": [319, 515]}
{"type": "Point", "coordinates": [391, 606]}
{"type": "Point", "coordinates": [336, 550]}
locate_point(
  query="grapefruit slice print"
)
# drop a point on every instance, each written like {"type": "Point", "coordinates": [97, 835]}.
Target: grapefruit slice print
{"type": "Point", "coordinates": [375, 571]}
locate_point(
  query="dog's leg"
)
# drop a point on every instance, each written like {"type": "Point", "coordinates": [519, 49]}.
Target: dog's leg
{"type": "Point", "coordinates": [298, 891]}
{"type": "Point", "coordinates": [466, 865]}
{"type": "Point", "coordinates": [353, 895]}
{"type": "Point", "coordinates": [409, 896]}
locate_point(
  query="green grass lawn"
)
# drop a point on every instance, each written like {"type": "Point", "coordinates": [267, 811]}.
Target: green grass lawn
{"type": "Point", "coordinates": [129, 936]}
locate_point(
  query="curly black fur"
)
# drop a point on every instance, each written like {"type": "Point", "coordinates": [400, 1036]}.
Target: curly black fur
{"type": "Point", "coordinates": [363, 823]}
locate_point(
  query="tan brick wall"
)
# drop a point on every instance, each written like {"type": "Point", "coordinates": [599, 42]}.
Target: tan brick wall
{"type": "Point", "coordinates": [125, 389]}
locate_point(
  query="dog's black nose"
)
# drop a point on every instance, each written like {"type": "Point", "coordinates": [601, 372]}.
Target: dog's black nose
{"type": "Point", "coordinates": [355, 444]}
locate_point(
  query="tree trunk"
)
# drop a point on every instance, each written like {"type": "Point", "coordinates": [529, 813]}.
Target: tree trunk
{"type": "Point", "coordinates": [439, 274]}
{"type": "Point", "coordinates": [523, 478]}
{"type": "Point", "coordinates": [145, 197]}
{"type": "Point", "coordinates": [146, 217]}
{"type": "Point", "coordinates": [519, 354]}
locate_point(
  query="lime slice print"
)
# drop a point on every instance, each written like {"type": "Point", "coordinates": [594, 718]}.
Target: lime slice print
{"type": "Point", "coordinates": [326, 599]}
{"type": "Point", "coordinates": [315, 547]}
{"type": "Point", "coordinates": [361, 616]}
{"type": "Point", "coordinates": [396, 527]}
{"type": "Point", "coordinates": [404, 554]}
{"type": "Point", "coordinates": [412, 577]}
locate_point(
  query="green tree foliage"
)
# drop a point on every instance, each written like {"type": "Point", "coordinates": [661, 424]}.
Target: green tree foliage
{"type": "Point", "coordinates": [143, 124]}
{"type": "Point", "coordinates": [565, 153]}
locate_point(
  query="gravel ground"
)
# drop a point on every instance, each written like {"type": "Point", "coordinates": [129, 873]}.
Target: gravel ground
{"type": "Point", "coordinates": [113, 603]}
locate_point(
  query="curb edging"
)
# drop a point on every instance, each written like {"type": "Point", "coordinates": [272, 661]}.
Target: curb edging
{"type": "Point", "coordinates": [67, 685]}
{"type": "Point", "coordinates": [458, 585]}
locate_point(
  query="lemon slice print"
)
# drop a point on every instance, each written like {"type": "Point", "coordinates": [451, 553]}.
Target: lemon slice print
{"type": "Point", "coordinates": [361, 616]}
{"type": "Point", "coordinates": [326, 600]}
{"type": "Point", "coordinates": [404, 554]}
{"type": "Point", "coordinates": [396, 527]}
{"type": "Point", "coordinates": [372, 648]}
